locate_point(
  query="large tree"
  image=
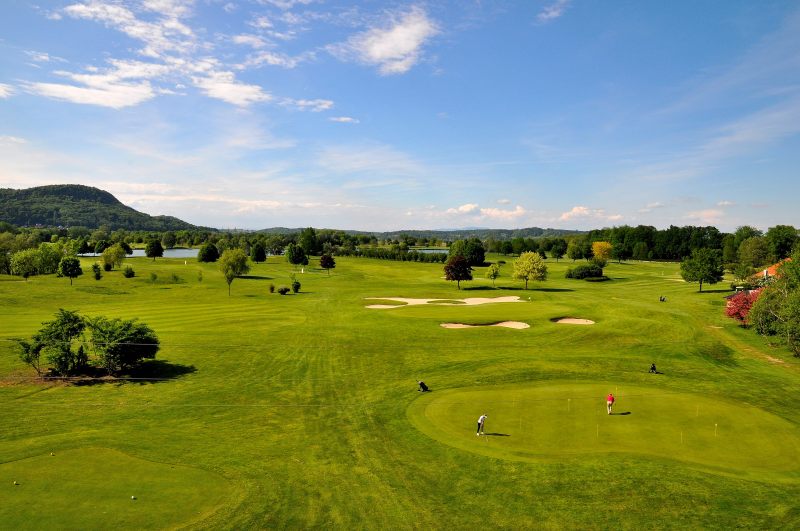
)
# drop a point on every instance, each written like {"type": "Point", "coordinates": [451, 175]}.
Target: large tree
{"type": "Point", "coordinates": [705, 265]}
{"type": "Point", "coordinates": [601, 250]}
{"type": "Point", "coordinates": [122, 344]}
{"type": "Point", "coordinates": [258, 253]}
{"type": "Point", "coordinates": [754, 252]}
{"type": "Point", "coordinates": [208, 253]}
{"type": "Point", "coordinates": [781, 240]}
{"type": "Point", "coordinates": [457, 268]}
{"type": "Point", "coordinates": [472, 249]}
{"type": "Point", "coordinates": [232, 264]}
{"type": "Point", "coordinates": [70, 267]}
{"type": "Point", "coordinates": [114, 256]}
{"type": "Point", "coordinates": [25, 263]}
{"type": "Point", "coordinates": [295, 255]}
{"type": "Point", "coordinates": [777, 310]}
{"type": "Point", "coordinates": [558, 248]}
{"type": "Point", "coordinates": [308, 240]}
{"type": "Point", "coordinates": [529, 266]}
{"type": "Point", "coordinates": [153, 249]}
{"type": "Point", "coordinates": [56, 340]}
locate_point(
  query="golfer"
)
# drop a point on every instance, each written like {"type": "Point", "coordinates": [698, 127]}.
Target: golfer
{"type": "Point", "coordinates": [609, 402]}
{"type": "Point", "coordinates": [481, 422]}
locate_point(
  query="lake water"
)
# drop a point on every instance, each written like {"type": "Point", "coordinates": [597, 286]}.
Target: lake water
{"type": "Point", "coordinates": [168, 253]}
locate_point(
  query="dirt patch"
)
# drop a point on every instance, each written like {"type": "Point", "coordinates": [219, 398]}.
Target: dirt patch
{"type": "Point", "coordinates": [470, 301]}
{"type": "Point", "coordinates": [505, 324]}
{"type": "Point", "coordinates": [572, 320]}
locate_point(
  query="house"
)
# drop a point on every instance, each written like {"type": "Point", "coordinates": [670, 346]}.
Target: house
{"type": "Point", "coordinates": [771, 271]}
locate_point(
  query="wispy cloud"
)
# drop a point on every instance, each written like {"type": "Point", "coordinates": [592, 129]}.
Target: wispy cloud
{"type": "Point", "coordinates": [254, 41]}
{"type": "Point", "coordinates": [7, 139]}
{"type": "Point", "coordinates": [475, 213]}
{"type": "Point", "coordinates": [650, 207]}
{"type": "Point", "coordinates": [373, 159]}
{"type": "Point", "coordinates": [276, 59]}
{"type": "Point", "coordinates": [344, 119]}
{"type": "Point", "coordinates": [552, 11]}
{"type": "Point", "coordinates": [394, 47]}
{"type": "Point", "coordinates": [709, 216]}
{"type": "Point", "coordinates": [224, 86]}
{"type": "Point", "coordinates": [317, 105]}
{"type": "Point", "coordinates": [725, 203]}
{"type": "Point", "coordinates": [6, 90]}
{"type": "Point", "coordinates": [586, 213]}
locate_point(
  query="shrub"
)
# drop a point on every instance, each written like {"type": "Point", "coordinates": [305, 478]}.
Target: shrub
{"type": "Point", "coordinates": [153, 277]}
{"type": "Point", "coordinates": [272, 288]}
{"type": "Point", "coordinates": [175, 278]}
{"type": "Point", "coordinates": [199, 276]}
{"type": "Point", "coordinates": [584, 271]}
{"type": "Point", "coordinates": [295, 286]}
{"type": "Point", "coordinates": [98, 273]}
{"type": "Point", "coordinates": [283, 290]}
{"type": "Point", "coordinates": [128, 272]}
{"type": "Point", "coordinates": [107, 266]}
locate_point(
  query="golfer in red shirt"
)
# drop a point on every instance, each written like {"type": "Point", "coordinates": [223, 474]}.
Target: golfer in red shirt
{"type": "Point", "coordinates": [609, 402]}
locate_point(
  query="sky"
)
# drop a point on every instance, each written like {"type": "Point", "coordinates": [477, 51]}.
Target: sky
{"type": "Point", "coordinates": [382, 116]}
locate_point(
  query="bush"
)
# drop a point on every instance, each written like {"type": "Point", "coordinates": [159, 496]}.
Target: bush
{"type": "Point", "coordinates": [283, 290]}
{"type": "Point", "coordinates": [175, 278]}
{"type": "Point", "coordinates": [295, 286]}
{"type": "Point", "coordinates": [584, 271]}
{"type": "Point", "coordinates": [153, 277]}
{"type": "Point", "coordinates": [98, 273]}
{"type": "Point", "coordinates": [199, 276]}
{"type": "Point", "coordinates": [107, 266]}
{"type": "Point", "coordinates": [128, 272]}
{"type": "Point", "coordinates": [272, 288]}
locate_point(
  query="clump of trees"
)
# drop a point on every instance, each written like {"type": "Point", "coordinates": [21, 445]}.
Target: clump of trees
{"type": "Point", "coordinates": [471, 249]}
{"type": "Point", "coordinates": [115, 345]}
{"type": "Point", "coordinates": [776, 312]}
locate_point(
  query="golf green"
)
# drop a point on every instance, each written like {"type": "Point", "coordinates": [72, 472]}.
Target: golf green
{"type": "Point", "coordinates": [569, 419]}
{"type": "Point", "coordinates": [101, 488]}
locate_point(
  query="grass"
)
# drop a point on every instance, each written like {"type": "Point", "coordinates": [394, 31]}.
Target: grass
{"type": "Point", "coordinates": [301, 410]}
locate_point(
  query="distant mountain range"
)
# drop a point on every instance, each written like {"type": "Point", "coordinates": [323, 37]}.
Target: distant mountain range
{"type": "Point", "coordinates": [69, 205]}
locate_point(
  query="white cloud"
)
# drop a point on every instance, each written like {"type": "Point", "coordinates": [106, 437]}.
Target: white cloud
{"type": "Point", "coordinates": [254, 41]}
{"type": "Point", "coordinates": [552, 11]}
{"type": "Point", "coordinates": [344, 119]}
{"type": "Point", "coordinates": [582, 212]}
{"type": "Point", "coordinates": [504, 201]}
{"type": "Point", "coordinates": [6, 90]}
{"type": "Point", "coordinates": [395, 48]}
{"type": "Point", "coordinates": [230, 7]}
{"type": "Point", "coordinates": [261, 23]}
{"type": "Point", "coordinates": [276, 59]}
{"type": "Point", "coordinates": [501, 214]}
{"type": "Point", "coordinates": [709, 216]}
{"type": "Point", "coordinates": [6, 139]}
{"type": "Point", "coordinates": [308, 105]}
{"type": "Point", "coordinates": [651, 206]}
{"type": "Point", "coordinates": [469, 208]}
{"type": "Point", "coordinates": [287, 4]}
{"type": "Point", "coordinates": [725, 203]}
{"type": "Point", "coordinates": [223, 86]}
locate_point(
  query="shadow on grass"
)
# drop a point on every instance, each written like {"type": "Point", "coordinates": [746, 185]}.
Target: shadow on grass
{"type": "Point", "coordinates": [725, 290]}
{"type": "Point", "coordinates": [149, 372]}
{"type": "Point", "coordinates": [552, 290]}
{"type": "Point", "coordinates": [497, 435]}
{"type": "Point", "coordinates": [479, 288]}
{"type": "Point", "coordinates": [623, 413]}
{"type": "Point", "coordinates": [255, 277]}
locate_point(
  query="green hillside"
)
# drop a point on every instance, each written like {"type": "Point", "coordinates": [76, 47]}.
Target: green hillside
{"type": "Point", "coordinates": [69, 205]}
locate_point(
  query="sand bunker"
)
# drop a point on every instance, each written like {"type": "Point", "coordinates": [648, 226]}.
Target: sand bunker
{"type": "Point", "coordinates": [572, 320]}
{"type": "Point", "coordinates": [504, 324]}
{"type": "Point", "coordinates": [471, 301]}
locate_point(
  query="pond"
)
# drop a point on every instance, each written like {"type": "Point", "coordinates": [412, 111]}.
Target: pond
{"type": "Point", "coordinates": [168, 253]}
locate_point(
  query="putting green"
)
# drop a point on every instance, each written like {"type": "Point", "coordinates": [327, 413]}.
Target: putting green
{"type": "Point", "coordinates": [569, 419]}
{"type": "Point", "coordinates": [91, 488]}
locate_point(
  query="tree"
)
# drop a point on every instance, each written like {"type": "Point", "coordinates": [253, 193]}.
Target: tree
{"type": "Point", "coordinates": [558, 248]}
{"type": "Point", "coordinates": [308, 241]}
{"type": "Point", "coordinates": [705, 265]}
{"type": "Point", "coordinates": [97, 271]}
{"type": "Point", "coordinates": [233, 263]}
{"type": "Point", "coordinates": [601, 250]}
{"type": "Point", "coordinates": [574, 250]}
{"type": "Point", "coordinates": [257, 253]}
{"type": "Point", "coordinates": [295, 255]}
{"type": "Point", "coordinates": [327, 262]}
{"type": "Point", "coordinates": [529, 266]}
{"type": "Point", "coordinates": [640, 251]}
{"type": "Point", "coordinates": [122, 344]}
{"type": "Point", "coordinates": [471, 249]}
{"type": "Point", "coordinates": [781, 239]}
{"type": "Point", "coordinates": [168, 240]}
{"type": "Point", "coordinates": [457, 268]}
{"type": "Point", "coordinates": [55, 339]}
{"type": "Point", "coordinates": [493, 272]}
{"type": "Point", "coordinates": [25, 263]}
{"type": "Point", "coordinates": [208, 253]}
{"type": "Point", "coordinates": [114, 256]}
{"type": "Point", "coordinates": [777, 310]}
{"type": "Point", "coordinates": [70, 267]}
{"type": "Point", "coordinates": [153, 249]}
{"type": "Point", "coordinates": [739, 305]}
{"type": "Point", "coordinates": [754, 252]}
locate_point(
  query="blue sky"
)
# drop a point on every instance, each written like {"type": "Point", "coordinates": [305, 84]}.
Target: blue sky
{"type": "Point", "coordinates": [392, 115]}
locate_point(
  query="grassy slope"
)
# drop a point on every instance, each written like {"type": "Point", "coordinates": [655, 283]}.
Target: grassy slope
{"type": "Point", "coordinates": [298, 403]}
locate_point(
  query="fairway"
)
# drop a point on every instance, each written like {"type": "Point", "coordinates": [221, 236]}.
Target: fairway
{"type": "Point", "coordinates": [302, 411]}
{"type": "Point", "coordinates": [567, 420]}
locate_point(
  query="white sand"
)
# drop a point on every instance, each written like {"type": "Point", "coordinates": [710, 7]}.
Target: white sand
{"type": "Point", "coordinates": [571, 320]}
{"type": "Point", "coordinates": [504, 324]}
{"type": "Point", "coordinates": [471, 301]}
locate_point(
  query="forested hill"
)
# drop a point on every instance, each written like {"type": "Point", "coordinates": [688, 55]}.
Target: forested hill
{"type": "Point", "coordinates": [450, 234]}
{"type": "Point", "coordinates": [70, 205]}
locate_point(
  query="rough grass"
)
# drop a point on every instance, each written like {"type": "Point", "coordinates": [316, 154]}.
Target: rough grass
{"type": "Point", "coordinates": [297, 406]}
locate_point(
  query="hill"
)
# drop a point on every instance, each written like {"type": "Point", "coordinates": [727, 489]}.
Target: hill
{"type": "Point", "coordinates": [449, 234]}
{"type": "Point", "coordinates": [69, 205]}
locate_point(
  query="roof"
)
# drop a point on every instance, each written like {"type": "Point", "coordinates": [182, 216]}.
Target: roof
{"type": "Point", "coordinates": [772, 270]}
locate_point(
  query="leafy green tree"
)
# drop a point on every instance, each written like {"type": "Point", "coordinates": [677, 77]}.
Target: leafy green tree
{"type": "Point", "coordinates": [754, 252]}
{"type": "Point", "coordinates": [705, 265]}
{"type": "Point", "coordinates": [120, 344]}
{"type": "Point", "coordinates": [113, 256]}
{"type": "Point", "coordinates": [327, 262]}
{"type": "Point", "coordinates": [56, 339]}
{"type": "Point", "coordinates": [730, 253]}
{"type": "Point", "coordinates": [208, 253]}
{"type": "Point", "coordinates": [777, 310]}
{"type": "Point", "coordinates": [97, 271]}
{"type": "Point", "coordinates": [257, 253]}
{"type": "Point", "coordinates": [308, 241]}
{"type": "Point", "coordinates": [493, 272]}
{"type": "Point", "coordinates": [558, 249]}
{"type": "Point", "coordinates": [744, 232]}
{"type": "Point", "coordinates": [25, 263]}
{"type": "Point", "coordinates": [640, 251]}
{"type": "Point", "coordinates": [153, 249]}
{"type": "Point", "coordinates": [168, 240]}
{"type": "Point", "coordinates": [457, 268]}
{"type": "Point", "coordinates": [50, 255]}
{"type": "Point", "coordinates": [529, 266]}
{"type": "Point", "coordinates": [70, 267]}
{"type": "Point", "coordinates": [101, 246]}
{"type": "Point", "coordinates": [472, 249]}
{"type": "Point", "coordinates": [296, 255]}
{"type": "Point", "coordinates": [232, 264]}
{"type": "Point", "coordinates": [781, 239]}
{"type": "Point", "coordinates": [574, 250]}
